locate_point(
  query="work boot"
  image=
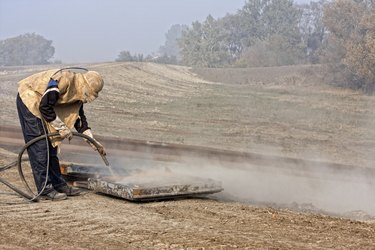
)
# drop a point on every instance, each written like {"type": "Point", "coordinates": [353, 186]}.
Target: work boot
{"type": "Point", "coordinates": [54, 196]}
{"type": "Point", "coordinates": [69, 191]}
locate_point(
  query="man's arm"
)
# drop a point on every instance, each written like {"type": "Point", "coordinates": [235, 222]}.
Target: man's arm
{"type": "Point", "coordinates": [82, 127]}
{"type": "Point", "coordinates": [46, 108]}
{"type": "Point", "coordinates": [81, 124]}
{"type": "Point", "coordinates": [49, 100]}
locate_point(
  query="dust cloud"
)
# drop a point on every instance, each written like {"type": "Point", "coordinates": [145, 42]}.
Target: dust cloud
{"type": "Point", "coordinates": [314, 186]}
{"type": "Point", "coordinates": [274, 181]}
{"type": "Point", "coordinates": [336, 193]}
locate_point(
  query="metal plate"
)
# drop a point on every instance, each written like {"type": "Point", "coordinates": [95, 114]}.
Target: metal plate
{"type": "Point", "coordinates": [80, 172]}
{"type": "Point", "coordinates": [129, 189]}
{"type": "Point", "coordinates": [138, 185]}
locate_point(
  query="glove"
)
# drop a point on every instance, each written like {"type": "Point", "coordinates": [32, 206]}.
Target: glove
{"type": "Point", "coordinates": [100, 147]}
{"type": "Point", "coordinates": [63, 130]}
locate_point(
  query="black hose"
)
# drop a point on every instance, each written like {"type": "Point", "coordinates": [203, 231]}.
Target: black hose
{"type": "Point", "coordinates": [70, 69]}
{"type": "Point", "coordinates": [19, 191]}
{"type": "Point", "coordinates": [33, 197]}
{"type": "Point", "coordinates": [12, 164]}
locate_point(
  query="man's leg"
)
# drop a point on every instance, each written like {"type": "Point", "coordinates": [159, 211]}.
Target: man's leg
{"type": "Point", "coordinates": [57, 181]}
{"type": "Point", "coordinates": [54, 168]}
{"type": "Point", "coordinates": [32, 127]}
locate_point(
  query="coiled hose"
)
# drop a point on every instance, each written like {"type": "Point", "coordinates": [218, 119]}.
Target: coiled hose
{"type": "Point", "coordinates": [30, 195]}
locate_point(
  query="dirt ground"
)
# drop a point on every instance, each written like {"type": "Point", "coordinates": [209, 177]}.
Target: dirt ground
{"type": "Point", "coordinates": [277, 111]}
{"type": "Point", "coordinates": [99, 222]}
{"type": "Point", "coordinates": [93, 221]}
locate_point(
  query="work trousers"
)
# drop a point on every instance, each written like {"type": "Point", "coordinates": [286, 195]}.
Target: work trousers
{"type": "Point", "coordinates": [32, 127]}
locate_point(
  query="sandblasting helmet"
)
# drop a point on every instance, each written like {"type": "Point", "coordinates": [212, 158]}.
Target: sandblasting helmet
{"type": "Point", "coordinates": [95, 84]}
{"type": "Point", "coordinates": [94, 80]}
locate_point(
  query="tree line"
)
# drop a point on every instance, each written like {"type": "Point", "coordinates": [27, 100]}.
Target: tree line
{"type": "Point", "coordinates": [261, 33]}
{"type": "Point", "coordinates": [336, 33]}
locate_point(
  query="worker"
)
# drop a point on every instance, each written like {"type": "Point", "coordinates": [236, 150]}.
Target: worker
{"type": "Point", "coordinates": [52, 101]}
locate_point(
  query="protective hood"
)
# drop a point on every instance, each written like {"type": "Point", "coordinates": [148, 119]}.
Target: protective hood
{"type": "Point", "coordinates": [79, 87]}
{"type": "Point", "coordinates": [91, 86]}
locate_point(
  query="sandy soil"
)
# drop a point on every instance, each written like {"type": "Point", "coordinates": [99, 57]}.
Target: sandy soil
{"type": "Point", "coordinates": [280, 113]}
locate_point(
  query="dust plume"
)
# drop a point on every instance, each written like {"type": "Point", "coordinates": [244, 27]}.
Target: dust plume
{"type": "Point", "coordinates": [313, 186]}
{"type": "Point", "coordinates": [269, 180]}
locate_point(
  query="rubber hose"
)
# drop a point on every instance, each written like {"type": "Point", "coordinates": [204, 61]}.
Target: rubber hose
{"type": "Point", "coordinates": [12, 164]}
{"type": "Point", "coordinates": [19, 161]}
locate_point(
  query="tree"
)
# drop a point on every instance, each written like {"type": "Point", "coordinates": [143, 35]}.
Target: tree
{"type": "Point", "coordinates": [202, 45]}
{"type": "Point", "coordinates": [215, 52]}
{"type": "Point", "coordinates": [190, 43]}
{"type": "Point", "coordinates": [351, 42]}
{"type": "Point", "coordinates": [312, 28]}
{"type": "Point", "coordinates": [126, 56]}
{"type": "Point", "coordinates": [273, 34]}
{"type": "Point", "coordinates": [171, 48]}
{"type": "Point", "coordinates": [26, 49]}
{"type": "Point", "coordinates": [252, 25]}
{"type": "Point", "coordinates": [232, 37]}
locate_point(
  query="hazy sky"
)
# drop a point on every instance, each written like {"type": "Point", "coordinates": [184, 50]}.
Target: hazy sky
{"type": "Point", "coordinates": [97, 30]}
